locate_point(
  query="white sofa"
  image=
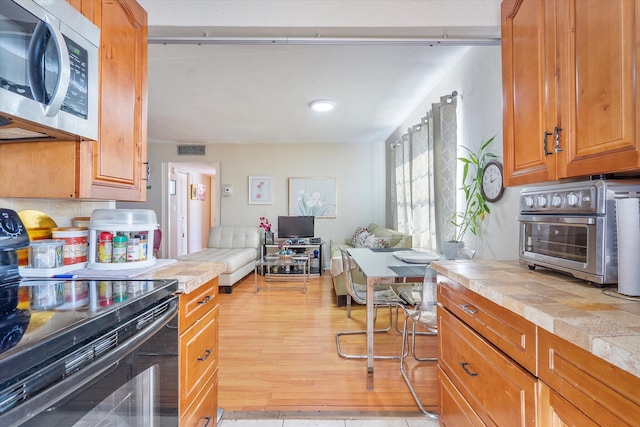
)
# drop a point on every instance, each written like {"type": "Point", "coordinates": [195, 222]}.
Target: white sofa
{"type": "Point", "coordinates": [236, 246]}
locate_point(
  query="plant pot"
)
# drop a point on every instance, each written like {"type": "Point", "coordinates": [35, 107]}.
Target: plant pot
{"type": "Point", "coordinates": [450, 249]}
{"type": "Point", "coordinates": [268, 237]}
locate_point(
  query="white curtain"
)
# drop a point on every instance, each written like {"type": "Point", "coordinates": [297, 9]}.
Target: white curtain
{"type": "Point", "coordinates": [425, 176]}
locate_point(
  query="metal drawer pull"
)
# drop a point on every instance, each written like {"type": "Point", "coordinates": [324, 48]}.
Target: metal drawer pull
{"type": "Point", "coordinates": [207, 353]}
{"type": "Point", "coordinates": [464, 366]}
{"type": "Point", "coordinates": [468, 310]}
{"type": "Point", "coordinates": [207, 421]}
{"type": "Point", "coordinates": [205, 300]}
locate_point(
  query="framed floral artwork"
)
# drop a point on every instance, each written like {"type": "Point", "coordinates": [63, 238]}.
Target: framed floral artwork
{"type": "Point", "coordinates": [313, 196]}
{"type": "Point", "coordinates": [259, 190]}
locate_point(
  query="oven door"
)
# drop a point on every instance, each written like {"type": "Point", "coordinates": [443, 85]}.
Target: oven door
{"type": "Point", "coordinates": [134, 385]}
{"type": "Point", "coordinates": [575, 245]}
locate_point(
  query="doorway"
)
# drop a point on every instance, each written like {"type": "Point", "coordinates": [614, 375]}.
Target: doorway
{"type": "Point", "coordinates": [188, 213]}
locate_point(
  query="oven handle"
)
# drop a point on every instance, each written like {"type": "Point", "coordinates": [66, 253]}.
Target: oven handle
{"type": "Point", "coordinates": [57, 392]}
{"type": "Point", "coordinates": [553, 219]}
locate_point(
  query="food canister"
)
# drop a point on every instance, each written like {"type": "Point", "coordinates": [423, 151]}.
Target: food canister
{"type": "Point", "coordinates": [119, 249]}
{"type": "Point", "coordinates": [105, 247]}
{"type": "Point", "coordinates": [133, 249]}
{"type": "Point", "coordinates": [75, 243]}
{"type": "Point", "coordinates": [34, 234]}
{"type": "Point", "coordinates": [46, 253]}
{"type": "Point", "coordinates": [143, 246]}
{"type": "Point", "coordinates": [81, 221]}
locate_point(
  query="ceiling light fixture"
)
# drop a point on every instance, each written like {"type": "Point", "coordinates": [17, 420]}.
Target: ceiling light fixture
{"type": "Point", "coordinates": [322, 105]}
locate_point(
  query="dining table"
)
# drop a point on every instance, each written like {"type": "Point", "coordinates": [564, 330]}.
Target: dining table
{"type": "Point", "coordinates": [379, 265]}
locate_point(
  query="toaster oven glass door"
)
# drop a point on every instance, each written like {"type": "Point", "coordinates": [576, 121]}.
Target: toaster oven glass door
{"type": "Point", "coordinates": [569, 242]}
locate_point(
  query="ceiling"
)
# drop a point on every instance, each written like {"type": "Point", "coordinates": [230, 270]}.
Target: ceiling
{"type": "Point", "coordinates": [219, 74]}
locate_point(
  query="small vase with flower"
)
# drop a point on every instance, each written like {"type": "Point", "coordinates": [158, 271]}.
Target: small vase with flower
{"type": "Point", "coordinates": [268, 234]}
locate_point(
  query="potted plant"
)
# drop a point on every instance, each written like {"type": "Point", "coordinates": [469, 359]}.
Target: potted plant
{"type": "Point", "coordinates": [475, 206]}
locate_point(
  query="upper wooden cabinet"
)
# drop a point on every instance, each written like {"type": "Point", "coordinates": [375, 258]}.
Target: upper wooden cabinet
{"type": "Point", "coordinates": [568, 76]}
{"type": "Point", "coordinates": [113, 167]}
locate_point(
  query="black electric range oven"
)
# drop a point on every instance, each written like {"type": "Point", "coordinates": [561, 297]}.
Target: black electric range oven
{"type": "Point", "coordinates": [88, 353]}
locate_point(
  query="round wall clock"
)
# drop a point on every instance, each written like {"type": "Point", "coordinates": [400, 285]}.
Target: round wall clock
{"type": "Point", "coordinates": [492, 181]}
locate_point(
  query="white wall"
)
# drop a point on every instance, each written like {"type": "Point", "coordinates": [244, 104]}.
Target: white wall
{"type": "Point", "coordinates": [358, 169]}
{"type": "Point", "coordinates": [478, 80]}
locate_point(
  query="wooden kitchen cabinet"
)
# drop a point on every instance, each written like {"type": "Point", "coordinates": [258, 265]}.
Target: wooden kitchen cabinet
{"type": "Point", "coordinates": [198, 356]}
{"type": "Point", "coordinates": [500, 391]}
{"type": "Point", "coordinates": [580, 386]}
{"type": "Point", "coordinates": [569, 78]}
{"type": "Point", "coordinates": [113, 167]}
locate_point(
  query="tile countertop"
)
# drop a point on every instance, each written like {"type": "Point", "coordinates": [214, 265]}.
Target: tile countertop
{"type": "Point", "coordinates": [190, 275]}
{"type": "Point", "coordinates": [572, 309]}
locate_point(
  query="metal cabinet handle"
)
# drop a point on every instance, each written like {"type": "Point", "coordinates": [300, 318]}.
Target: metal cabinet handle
{"type": "Point", "coordinates": [207, 420]}
{"type": "Point", "coordinates": [207, 353]}
{"type": "Point", "coordinates": [556, 138]}
{"type": "Point", "coordinates": [205, 300]}
{"type": "Point", "coordinates": [464, 367]}
{"type": "Point", "coordinates": [546, 145]}
{"type": "Point", "coordinates": [469, 310]}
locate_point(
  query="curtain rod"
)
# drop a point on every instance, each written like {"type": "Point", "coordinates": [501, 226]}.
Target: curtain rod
{"type": "Point", "coordinates": [374, 41]}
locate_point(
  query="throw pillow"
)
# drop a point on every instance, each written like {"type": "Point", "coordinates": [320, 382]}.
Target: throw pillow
{"type": "Point", "coordinates": [374, 242]}
{"type": "Point", "coordinates": [359, 230]}
{"type": "Point", "coordinates": [361, 239]}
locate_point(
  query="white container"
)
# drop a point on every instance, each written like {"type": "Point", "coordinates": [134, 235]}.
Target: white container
{"type": "Point", "coordinates": [128, 222]}
{"type": "Point", "coordinates": [46, 253]}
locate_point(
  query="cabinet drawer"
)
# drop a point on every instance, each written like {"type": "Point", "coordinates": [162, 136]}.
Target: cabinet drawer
{"type": "Point", "coordinates": [204, 410]}
{"type": "Point", "coordinates": [510, 332]}
{"type": "Point", "coordinates": [454, 410]}
{"type": "Point", "coordinates": [604, 392]}
{"type": "Point", "coordinates": [198, 355]}
{"type": "Point", "coordinates": [501, 392]}
{"type": "Point", "coordinates": [195, 304]}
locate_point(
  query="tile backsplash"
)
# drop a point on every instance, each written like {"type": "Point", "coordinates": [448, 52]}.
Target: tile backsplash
{"type": "Point", "coordinates": [61, 211]}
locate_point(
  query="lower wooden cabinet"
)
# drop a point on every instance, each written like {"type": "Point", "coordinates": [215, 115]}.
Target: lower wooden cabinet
{"type": "Point", "coordinates": [455, 411]}
{"type": "Point", "coordinates": [500, 391]}
{"type": "Point", "coordinates": [198, 350]}
{"type": "Point", "coordinates": [555, 411]}
{"type": "Point", "coordinates": [604, 393]}
{"type": "Point", "coordinates": [203, 410]}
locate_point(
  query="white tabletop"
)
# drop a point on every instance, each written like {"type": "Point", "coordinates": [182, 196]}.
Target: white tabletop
{"type": "Point", "coordinates": [377, 264]}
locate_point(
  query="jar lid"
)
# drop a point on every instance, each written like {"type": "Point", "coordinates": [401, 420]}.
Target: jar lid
{"type": "Point", "coordinates": [105, 235]}
{"type": "Point", "coordinates": [120, 239]}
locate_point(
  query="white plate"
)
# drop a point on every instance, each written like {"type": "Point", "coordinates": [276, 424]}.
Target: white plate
{"type": "Point", "coordinates": [48, 272]}
{"type": "Point", "coordinates": [416, 257]}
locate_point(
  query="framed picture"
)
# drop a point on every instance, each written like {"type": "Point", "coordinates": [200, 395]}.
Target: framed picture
{"type": "Point", "coordinates": [194, 191]}
{"type": "Point", "coordinates": [202, 192]}
{"type": "Point", "coordinates": [259, 190]}
{"type": "Point", "coordinates": [172, 187]}
{"type": "Point", "coordinates": [313, 196]}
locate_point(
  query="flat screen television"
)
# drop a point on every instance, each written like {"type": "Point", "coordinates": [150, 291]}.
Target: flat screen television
{"type": "Point", "coordinates": [290, 227]}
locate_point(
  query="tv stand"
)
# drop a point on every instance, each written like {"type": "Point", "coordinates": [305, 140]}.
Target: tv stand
{"type": "Point", "coordinates": [307, 248]}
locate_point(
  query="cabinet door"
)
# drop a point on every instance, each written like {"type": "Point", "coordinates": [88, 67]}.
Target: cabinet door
{"type": "Point", "coordinates": [597, 86]}
{"type": "Point", "coordinates": [529, 94]}
{"type": "Point", "coordinates": [115, 162]}
{"type": "Point", "coordinates": [604, 392]}
{"type": "Point", "coordinates": [454, 410]}
{"type": "Point", "coordinates": [554, 411]}
{"type": "Point", "coordinates": [499, 390]}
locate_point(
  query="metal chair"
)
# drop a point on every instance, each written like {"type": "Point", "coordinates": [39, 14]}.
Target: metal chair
{"type": "Point", "coordinates": [383, 296]}
{"type": "Point", "coordinates": [421, 310]}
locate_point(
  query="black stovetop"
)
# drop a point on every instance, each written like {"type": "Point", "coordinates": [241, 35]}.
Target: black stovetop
{"type": "Point", "coordinates": [40, 318]}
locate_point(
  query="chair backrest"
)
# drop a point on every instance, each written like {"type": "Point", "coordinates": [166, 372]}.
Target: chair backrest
{"type": "Point", "coordinates": [346, 268]}
{"type": "Point", "coordinates": [429, 290]}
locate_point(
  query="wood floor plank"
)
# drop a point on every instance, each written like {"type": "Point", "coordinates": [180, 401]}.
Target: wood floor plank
{"type": "Point", "coordinates": [278, 353]}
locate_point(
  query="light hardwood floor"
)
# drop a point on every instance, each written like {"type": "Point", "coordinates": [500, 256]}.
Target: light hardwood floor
{"type": "Point", "coordinates": [278, 358]}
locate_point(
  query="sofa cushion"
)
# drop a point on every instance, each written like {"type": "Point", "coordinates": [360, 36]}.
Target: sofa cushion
{"type": "Point", "coordinates": [233, 259]}
{"type": "Point", "coordinates": [396, 238]}
{"type": "Point", "coordinates": [375, 242]}
{"type": "Point", "coordinates": [356, 235]}
{"type": "Point", "coordinates": [234, 237]}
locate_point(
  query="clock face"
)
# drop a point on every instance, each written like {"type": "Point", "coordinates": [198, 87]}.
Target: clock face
{"type": "Point", "coordinates": [492, 185]}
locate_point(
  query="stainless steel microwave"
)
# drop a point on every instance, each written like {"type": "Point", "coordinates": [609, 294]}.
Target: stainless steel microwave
{"type": "Point", "coordinates": [48, 72]}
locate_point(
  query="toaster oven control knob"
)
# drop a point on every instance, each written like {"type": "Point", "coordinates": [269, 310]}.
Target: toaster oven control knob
{"type": "Point", "coordinates": [528, 201]}
{"type": "Point", "coordinates": [556, 200]}
{"type": "Point", "coordinates": [573, 199]}
{"type": "Point", "coordinates": [542, 201]}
